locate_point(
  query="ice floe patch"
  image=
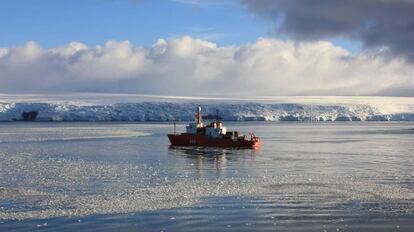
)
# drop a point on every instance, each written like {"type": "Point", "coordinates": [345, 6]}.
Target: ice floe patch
{"type": "Point", "coordinates": [33, 188]}
{"type": "Point", "coordinates": [189, 193]}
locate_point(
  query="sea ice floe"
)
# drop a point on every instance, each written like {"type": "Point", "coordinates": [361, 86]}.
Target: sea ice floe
{"type": "Point", "coordinates": [34, 187]}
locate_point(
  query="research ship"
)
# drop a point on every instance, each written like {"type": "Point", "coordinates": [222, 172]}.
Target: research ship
{"type": "Point", "coordinates": [212, 135]}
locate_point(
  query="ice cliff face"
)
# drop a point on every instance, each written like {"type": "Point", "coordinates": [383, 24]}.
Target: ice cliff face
{"type": "Point", "coordinates": [160, 110]}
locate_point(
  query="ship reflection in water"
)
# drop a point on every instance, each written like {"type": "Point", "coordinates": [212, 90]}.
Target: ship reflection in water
{"type": "Point", "coordinates": [213, 162]}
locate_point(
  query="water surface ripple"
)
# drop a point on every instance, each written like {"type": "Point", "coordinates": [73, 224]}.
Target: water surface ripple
{"type": "Point", "coordinates": [124, 176]}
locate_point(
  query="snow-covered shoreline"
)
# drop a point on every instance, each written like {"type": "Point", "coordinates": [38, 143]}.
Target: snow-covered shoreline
{"type": "Point", "coordinates": [123, 107]}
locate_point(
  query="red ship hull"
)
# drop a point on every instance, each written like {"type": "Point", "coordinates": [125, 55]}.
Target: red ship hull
{"type": "Point", "coordinates": [186, 139]}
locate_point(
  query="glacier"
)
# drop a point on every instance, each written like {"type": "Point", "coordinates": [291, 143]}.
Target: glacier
{"type": "Point", "coordinates": [130, 107]}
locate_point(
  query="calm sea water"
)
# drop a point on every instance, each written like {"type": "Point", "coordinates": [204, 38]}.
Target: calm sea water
{"type": "Point", "coordinates": [124, 177]}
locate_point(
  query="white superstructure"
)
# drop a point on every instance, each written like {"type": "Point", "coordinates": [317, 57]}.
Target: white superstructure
{"type": "Point", "coordinates": [213, 130]}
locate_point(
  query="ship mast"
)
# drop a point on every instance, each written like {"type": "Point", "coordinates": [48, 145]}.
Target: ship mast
{"type": "Point", "coordinates": [199, 117]}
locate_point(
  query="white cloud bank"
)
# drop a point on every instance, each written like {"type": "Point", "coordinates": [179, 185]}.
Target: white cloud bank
{"type": "Point", "coordinates": [188, 66]}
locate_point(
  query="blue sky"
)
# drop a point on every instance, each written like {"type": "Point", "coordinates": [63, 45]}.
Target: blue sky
{"type": "Point", "coordinates": [50, 23]}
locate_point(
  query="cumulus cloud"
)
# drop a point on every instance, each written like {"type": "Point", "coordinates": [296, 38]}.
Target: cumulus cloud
{"type": "Point", "coordinates": [375, 23]}
{"type": "Point", "coordinates": [188, 66]}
